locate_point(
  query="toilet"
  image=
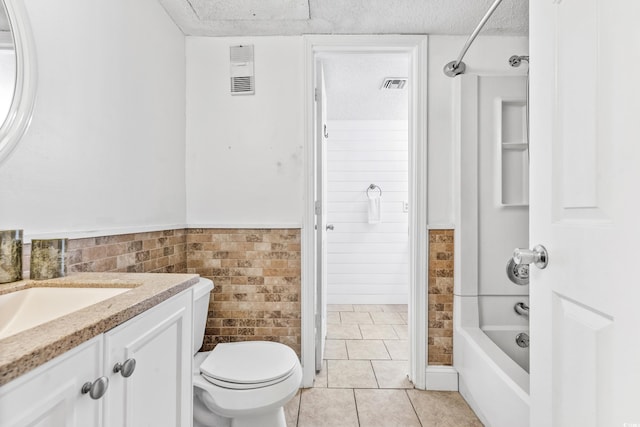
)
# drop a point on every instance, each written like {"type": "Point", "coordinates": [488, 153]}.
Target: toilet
{"type": "Point", "coordinates": [241, 384]}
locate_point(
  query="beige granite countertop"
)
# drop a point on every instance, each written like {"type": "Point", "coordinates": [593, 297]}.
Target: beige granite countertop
{"type": "Point", "coordinates": [29, 349]}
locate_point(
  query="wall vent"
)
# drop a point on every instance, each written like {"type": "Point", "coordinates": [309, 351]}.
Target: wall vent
{"type": "Point", "coordinates": [394, 83]}
{"type": "Point", "coordinates": [242, 75]}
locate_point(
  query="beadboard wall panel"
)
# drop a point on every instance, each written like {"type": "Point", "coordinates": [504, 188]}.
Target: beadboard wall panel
{"type": "Point", "coordinates": [367, 263]}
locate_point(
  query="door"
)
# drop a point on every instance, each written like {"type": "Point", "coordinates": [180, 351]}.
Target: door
{"type": "Point", "coordinates": [585, 204]}
{"type": "Point", "coordinates": [321, 214]}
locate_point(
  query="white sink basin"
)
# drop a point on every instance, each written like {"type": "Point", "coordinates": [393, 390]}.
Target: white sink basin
{"type": "Point", "coordinates": [31, 307]}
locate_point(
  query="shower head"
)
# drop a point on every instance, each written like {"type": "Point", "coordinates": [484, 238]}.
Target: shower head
{"type": "Point", "coordinates": [516, 60]}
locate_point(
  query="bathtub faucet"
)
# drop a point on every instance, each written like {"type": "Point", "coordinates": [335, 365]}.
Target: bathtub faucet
{"type": "Point", "coordinates": [522, 309]}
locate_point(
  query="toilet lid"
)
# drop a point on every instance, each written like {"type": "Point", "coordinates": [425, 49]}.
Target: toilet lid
{"type": "Point", "coordinates": [249, 362]}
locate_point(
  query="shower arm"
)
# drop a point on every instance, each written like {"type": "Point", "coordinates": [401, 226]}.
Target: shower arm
{"type": "Point", "coordinates": [456, 67]}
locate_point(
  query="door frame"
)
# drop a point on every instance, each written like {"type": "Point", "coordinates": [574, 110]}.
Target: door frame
{"type": "Point", "coordinates": [416, 48]}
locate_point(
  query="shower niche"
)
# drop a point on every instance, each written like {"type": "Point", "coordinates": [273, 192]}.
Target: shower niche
{"type": "Point", "coordinates": [513, 178]}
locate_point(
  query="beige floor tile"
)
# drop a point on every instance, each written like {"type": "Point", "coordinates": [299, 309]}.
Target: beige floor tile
{"type": "Point", "coordinates": [387, 319]}
{"type": "Point", "coordinates": [367, 349]}
{"type": "Point", "coordinates": [378, 332]}
{"type": "Point", "coordinates": [335, 349]}
{"type": "Point", "coordinates": [398, 349]}
{"type": "Point", "coordinates": [360, 318]}
{"type": "Point", "coordinates": [291, 410]}
{"type": "Point", "coordinates": [405, 316]}
{"type": "Point", "coordinates": [442, 409]}
{"type": "Point", "coordinates": [402, 331]}
{"type": "Point", "coordinates": [321, 407]}
{"type": "Point", "coordinates": [391, 373]}
{"type": "Point", "coordinates": [321, 377]}
{"type": "Point", "coordinates": [351, 374]}
{"type": "Point", "coordinates": [402, 308]}
{"type": "Point", "coordinates": [343, 332]}
{"type": "Point", "coordinates": [339, 307]}
{"type": "Point", "coordinates": [333, 317]}
{"type": "Point", "coordinates": [367, 307]}
{"type": "Point", "coordinates": [385, 408]}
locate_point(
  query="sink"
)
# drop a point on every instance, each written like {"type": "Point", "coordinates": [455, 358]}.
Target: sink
{"type": "Point", "coordinates": [24, 309]}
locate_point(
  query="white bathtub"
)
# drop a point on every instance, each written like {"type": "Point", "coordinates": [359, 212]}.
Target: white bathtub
{"type": "Point", "coordinates": [493, 383]}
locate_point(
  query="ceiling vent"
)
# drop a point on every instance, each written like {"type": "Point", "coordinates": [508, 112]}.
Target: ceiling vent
{"type": "Point", "coordinates": [394, 83]}
{"type": "Point", "coordinates": [242, 75]}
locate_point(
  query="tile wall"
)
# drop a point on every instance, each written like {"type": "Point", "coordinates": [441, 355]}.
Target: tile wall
{"type": "Point", "coordinates": [257, 275]}
{"type": "Point", "coordinates": [258, 282]}
{"type": "Point", "coordinates": [149, 252]}
{"type": "Point", "coordinates": [440, 322]}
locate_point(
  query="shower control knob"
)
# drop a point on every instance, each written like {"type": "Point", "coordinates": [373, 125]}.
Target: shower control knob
{"type": "Point", "coordinates": [538, 256]}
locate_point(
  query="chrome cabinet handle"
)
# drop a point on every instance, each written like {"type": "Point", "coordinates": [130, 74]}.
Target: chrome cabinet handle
{"type": "Point", "coordinates": [96, 389]}
{"type": "Point", "coordinates": [538, 256]}
{"type": "Point", "coordinates": [330, 227]}
{"type": "Point", "coordinates": [126, 369]}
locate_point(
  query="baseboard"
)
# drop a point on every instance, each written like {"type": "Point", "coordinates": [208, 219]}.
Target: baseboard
{"type": "Point", "coordinates": [442, 378]}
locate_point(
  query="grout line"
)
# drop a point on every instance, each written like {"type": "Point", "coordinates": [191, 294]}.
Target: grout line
{"type": "Point", "coordinates": [414, 408]}
{"type": "Point", "coordinates": [374, 374]}
{"type": "Point", "coordinates": [355, 401]}
{"type": "Point", "coordinates": [299, 408]}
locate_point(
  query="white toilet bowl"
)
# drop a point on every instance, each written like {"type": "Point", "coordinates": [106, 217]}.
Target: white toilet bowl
{"type": "Point", "coordinates": [243, 384]}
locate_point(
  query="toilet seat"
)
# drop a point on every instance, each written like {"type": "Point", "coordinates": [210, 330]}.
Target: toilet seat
{"type": "Point", "coordinates": [249, 365]}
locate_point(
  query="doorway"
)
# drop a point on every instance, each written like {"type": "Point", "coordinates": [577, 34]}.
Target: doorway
{"type": "Point", "coordinates": [314, 314]}
{"type": "Point", "coordinates": [362, 121]}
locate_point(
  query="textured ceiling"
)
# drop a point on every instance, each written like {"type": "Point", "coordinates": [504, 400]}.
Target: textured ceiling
{"type": "Point", "coordinates": [294, 17]}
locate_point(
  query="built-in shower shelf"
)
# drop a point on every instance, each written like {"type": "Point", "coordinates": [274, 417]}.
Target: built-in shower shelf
{"type": "Point", "coordinates": [514, 158]}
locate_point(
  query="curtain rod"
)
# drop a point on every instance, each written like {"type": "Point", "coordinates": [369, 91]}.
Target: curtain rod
{"type": "Point", "coordinates": [456, 67]}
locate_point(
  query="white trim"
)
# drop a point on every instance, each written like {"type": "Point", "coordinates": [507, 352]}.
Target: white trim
{"type": "Point", "coordinates": [101, 232]}
{"type": "Point", "coordinates": [19, 115]}
{"type": "Point", "coordinates": [441, 227]}
{"type": "Point", "coordinates": [246, 226]}
{"type": "Point", "coordinates": [416, 47]}
{"type": "Point", "coordinates": [442, 378]}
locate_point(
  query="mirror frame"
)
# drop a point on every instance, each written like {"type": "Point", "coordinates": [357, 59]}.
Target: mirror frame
{"type": "Point", "coordinates": [24, 95]}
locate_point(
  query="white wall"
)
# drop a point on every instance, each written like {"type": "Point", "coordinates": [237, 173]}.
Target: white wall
{"type": "Point", "coordinates": [105, 149]}
{"type": "Point", "coordinates": [367, 263]}
{"type": "Point", "coordinates": [253, 145]}
{"type": "Point", "coordinates": [245, 153]}
{"type": "Point", "coordinates": [487, 55]}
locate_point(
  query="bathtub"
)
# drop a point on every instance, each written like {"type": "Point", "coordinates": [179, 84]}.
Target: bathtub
{"type": "Point", "coordinates": [495, 384]}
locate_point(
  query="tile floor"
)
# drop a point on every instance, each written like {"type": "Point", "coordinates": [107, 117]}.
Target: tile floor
{"type": "Point", "coordinates": [363, 381]}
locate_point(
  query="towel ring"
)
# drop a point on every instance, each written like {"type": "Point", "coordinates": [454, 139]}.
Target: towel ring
{"type": "Point", "coordinates": [374, 187]}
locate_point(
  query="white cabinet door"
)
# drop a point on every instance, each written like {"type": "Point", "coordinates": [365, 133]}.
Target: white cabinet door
{"type": "Point", "coordinates": [585, 172]}
{"type": "Point", "coordinates": [50, 396]}
{"type": "Point", "coordinates": [159, 391]}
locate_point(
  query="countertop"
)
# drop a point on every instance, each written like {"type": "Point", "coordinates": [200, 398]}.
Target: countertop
{"type": "Point", "coordinates": [24, 351]}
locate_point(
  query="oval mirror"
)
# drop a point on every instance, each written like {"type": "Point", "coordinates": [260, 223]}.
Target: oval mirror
{"type": "Point", "coordinates": [17, 74]}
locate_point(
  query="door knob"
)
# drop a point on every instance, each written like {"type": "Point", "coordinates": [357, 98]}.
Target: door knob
{"type": "Point", "coordinates": [329, 226]}
{"type": "Point", "coordinates": [126, 369]}
{"type": "Point", "coordinates": [96, 389]}
{"type": "Point", "coordinates": [538, 256]}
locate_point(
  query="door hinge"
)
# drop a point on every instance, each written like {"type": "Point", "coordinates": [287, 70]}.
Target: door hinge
{"type": "Point", "coordinates": [315, 94]}
{"type": "Point", "coordinates": [318, 207]}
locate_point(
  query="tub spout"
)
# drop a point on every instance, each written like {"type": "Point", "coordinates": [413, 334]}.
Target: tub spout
{"type": "Point", "coordinates": [522, 309]}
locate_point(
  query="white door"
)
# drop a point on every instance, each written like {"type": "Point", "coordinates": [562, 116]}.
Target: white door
{"type": "Point", "coordinates": [321, 215]}
{"type": "Point", "coordinates": [585, 205]}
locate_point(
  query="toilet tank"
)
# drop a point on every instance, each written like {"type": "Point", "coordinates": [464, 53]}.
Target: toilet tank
{"type": "Point", "coordinates": [201, 293]}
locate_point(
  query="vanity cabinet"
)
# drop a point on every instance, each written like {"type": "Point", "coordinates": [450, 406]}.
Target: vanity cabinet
{"type": "Point", "coordinates": [50, 395]}
{"type": "Point", "coordinates": [156, 392]}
